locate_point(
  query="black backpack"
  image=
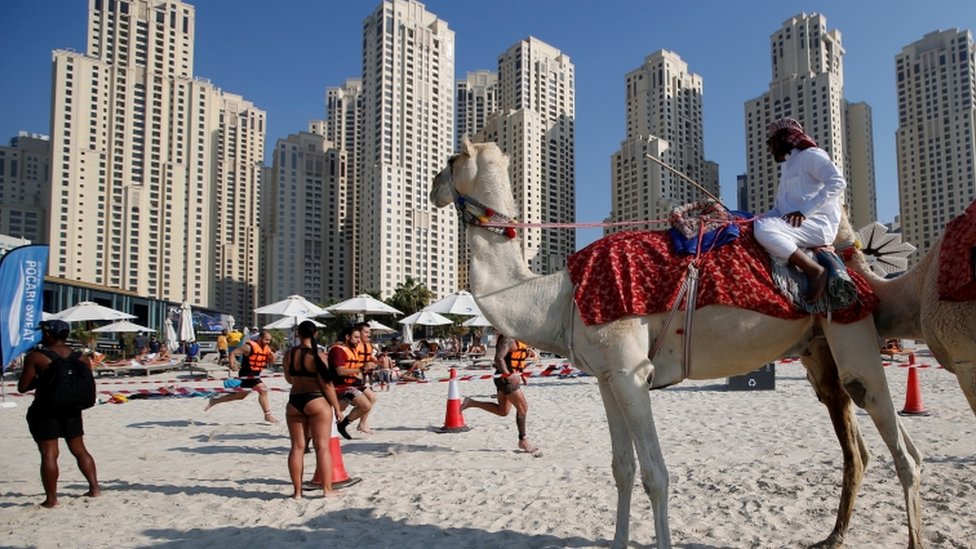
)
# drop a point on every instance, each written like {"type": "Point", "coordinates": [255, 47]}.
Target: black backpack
{"type": "Point", "coordinates": [68, 383]}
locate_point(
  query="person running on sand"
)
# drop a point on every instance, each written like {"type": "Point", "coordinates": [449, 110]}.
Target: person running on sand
{"type": "Point", "coordinates": [312, 404]}
{"type": "Point", "coordinates": [509, 362]}
{"type": "Point", "coordinates": [46, 422]}
{"type": "Point", "coordinates": [256, 355]}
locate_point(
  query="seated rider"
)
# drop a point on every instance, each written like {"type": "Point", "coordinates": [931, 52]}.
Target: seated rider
{"type": "Point", "coordinates": [807, 209]}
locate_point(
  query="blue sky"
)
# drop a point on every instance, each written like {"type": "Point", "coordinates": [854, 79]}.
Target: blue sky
{"type": "Point", "coordinates": [283, 55]}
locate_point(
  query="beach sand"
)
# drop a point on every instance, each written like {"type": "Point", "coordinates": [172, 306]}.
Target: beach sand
{"type": "Point", "coordinates": [747, 469]}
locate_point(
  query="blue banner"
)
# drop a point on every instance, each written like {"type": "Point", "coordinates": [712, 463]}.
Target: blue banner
{"type": "Point", "coordinates": [21, 299]}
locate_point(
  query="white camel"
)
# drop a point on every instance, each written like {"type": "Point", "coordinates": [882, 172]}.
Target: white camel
{"type": "Point", "coordinates": [727, 341]}
{"type": "Point", "coordinates": [910, 308]}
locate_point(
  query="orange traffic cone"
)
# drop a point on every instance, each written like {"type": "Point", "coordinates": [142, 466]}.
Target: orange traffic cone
{"type": "Point", "coordinates": [453, 420]}
{"type": "Point", "coordinates": [340, 479]}
{"type": "Point", "coordinates": [913, 396]}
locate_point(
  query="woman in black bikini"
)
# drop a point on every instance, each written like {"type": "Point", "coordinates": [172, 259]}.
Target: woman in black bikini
{"type": "Point", "coordinates": [311, 406]}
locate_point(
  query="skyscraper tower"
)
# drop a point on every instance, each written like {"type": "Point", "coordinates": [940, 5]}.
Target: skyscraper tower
{"type": "Point", "coordinates": [664, 120]}
{"type": "Point", "coordinates": [477, 99]}
{"type": "Point", "coordinates": [536, 127]}
{"type": "Point", "coordinates": [935, 139]}
{"type": "Point", "coordinates": [25, 175]}
{"type": "Point", "coordinates": [408, 135]}
{"type": "Point", "coordinates": [807, 84]}
{"type": "Point", "coordinates": [147, 158]}
{"type": "Point", "coordinates": [344, 129]}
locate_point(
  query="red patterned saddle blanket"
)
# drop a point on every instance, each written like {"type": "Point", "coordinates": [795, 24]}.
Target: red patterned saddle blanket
{"type": "Point", "coordinates": [636, 273]}
{"type": "Point", "coordinates": [957, 258]}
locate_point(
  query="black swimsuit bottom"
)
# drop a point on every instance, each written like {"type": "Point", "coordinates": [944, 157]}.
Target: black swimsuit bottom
{"type": "Point", "coordinates": [300, 400]}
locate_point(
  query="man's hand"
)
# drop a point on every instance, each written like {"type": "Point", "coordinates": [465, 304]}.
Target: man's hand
{"type": "Point", "coordinates": [794, 218]}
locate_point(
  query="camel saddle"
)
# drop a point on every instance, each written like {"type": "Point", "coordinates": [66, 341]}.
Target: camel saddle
{"type": "Point", "coordinates": [637, 273]}
{"type": "Point", "coordinates": [957, 258]}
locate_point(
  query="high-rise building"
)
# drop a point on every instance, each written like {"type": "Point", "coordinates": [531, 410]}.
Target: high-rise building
{"type": "Point", "coordinates": [536, 126]}
{"type": "Point", "coordinates": [808, 84]}
{"type": "Point", "coordinates": [863, 205]}
{"type": "Point", "coordinates": [239, 159]}
{"type": "Point", "coordinates": [408, 135]}
{"type": "Point", "coordinates": [664, 121]}
{"type": "Point", "coordinates": [344, 128]}
{"type": "Point", "coordinates": [477, 98]}
{"type": "Point", "coordinates": [307, 235]}
{"type": "Point", "coordinates": [149, 163]}
{"type": "Point", "coordinates": [25, 185]}
{"type": "Point", "coordinates": [935, 139]}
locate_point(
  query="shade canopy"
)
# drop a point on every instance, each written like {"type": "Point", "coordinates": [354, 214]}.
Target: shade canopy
{"type": "Point", "coordinates": [380, 328]}
{"type": "Point", "coordinates": [476, 321]}
{"type": "Point", "coordinates": [293, 305]}
{"type": "Point", "coordinates": [89, 310]}
{"type": "Point", "coordinates": [172, 342]}
{"type": "Point", "coordinates": [458, 303]}
{"type": "Point", "coordinates": [426, 318]}
{"type": "Point", "coordinates": [289, 322]}
{"type": "Point", "coordinates": [122, 326]}
{"type": "Point", "coordinates": [186, 332]}
{"type": "Point", "coordinates": [364, 304]}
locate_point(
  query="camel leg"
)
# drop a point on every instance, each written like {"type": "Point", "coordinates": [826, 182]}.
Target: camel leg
{"type": "Point", "coordinates": [863, 378]}
{"type": "Point", "coordinates": [623, 463]}
{"type": "Point", "coordinates": [631, 393]}
{"type": "Point", "coordinates": [822, 373]}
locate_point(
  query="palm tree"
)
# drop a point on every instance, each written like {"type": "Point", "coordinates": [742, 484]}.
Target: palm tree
{"type": "Point", "coordinates": [410, 296]}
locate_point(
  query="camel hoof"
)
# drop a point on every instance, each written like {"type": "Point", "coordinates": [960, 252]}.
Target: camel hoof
{"type": "Point", "coordinates": [833, 541]}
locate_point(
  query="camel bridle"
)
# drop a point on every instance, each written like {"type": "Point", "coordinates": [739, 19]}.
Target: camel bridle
{"type": "Point", "coordinates": [474, 213]}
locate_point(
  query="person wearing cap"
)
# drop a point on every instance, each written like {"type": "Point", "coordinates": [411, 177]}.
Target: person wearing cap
{"type": "Point", "coordinates": [807, 209]}
{"type": "Point", "coordinates": [46, 424]}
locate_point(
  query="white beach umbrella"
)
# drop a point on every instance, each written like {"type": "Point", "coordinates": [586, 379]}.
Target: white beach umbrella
{"type": "Point", "coordinates": [172, 342]}
{"type": "Point", "coordinates": [380, 328]}
{"type": "Point", "coordinates": [476, 321]}
{"type": "Point", "coordinates": [122, 326]}
{"type": "Point", "coordinates": [458, 303]}
{"type": "Point", "coordinates": [89, 310]}
{"type": "Point", "coordinates": [294, 306]}
{"type": "Point", "coordinates": [426, 318]}
{"type": "Point", "coordinates": [290, 322]}
{"type": "Point", "coordinates": [363, 304]}
{"type": "Point", "coordinates": [186, 323]}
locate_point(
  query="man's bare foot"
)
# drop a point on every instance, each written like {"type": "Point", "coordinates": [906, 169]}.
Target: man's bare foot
{"type": "Point", "coordinates": [296, 495]}
{"type": "Point", "coordinates": [818, 284]}
{"type": "Point", "coordinates": [529, 448]}
{"type": "Point", "coordinates": [49, 503]}
{"type": "Point", "coordinates": [270, 418]}
{"type": "Point", "coordinates": [93, 493]}
{"type": "Point", "coordinates": [466, 403]}
{"type": "Point", "coordinates": [365, 430]}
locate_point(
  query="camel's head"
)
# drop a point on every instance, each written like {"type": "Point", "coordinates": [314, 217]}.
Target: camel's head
{"type": "Point", "coordinates": [478, 171]}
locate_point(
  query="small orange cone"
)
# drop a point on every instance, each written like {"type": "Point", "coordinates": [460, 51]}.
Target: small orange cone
{"type": "Point", "coordinates": [340, 479]}
{"type": "Point", "coordinates": [453, 420]}
{"type": "Point", "coordinates": [913, 395]}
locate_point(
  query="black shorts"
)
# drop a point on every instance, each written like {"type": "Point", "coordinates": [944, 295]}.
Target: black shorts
{"type": "Point", "coordinates": [50, 425]}
{"type": "Point", "coordinates": [507, 385]}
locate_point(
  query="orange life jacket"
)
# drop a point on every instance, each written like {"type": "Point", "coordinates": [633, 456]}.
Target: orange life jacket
{"type": "Point", "coordinates": [364, 351]}
{"type": "Point", "coordinates": [351, 362]}
{"type": "Point", "coordinates": [259, 358]}
{"type": "Point", "coordinates": [517, 357]}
